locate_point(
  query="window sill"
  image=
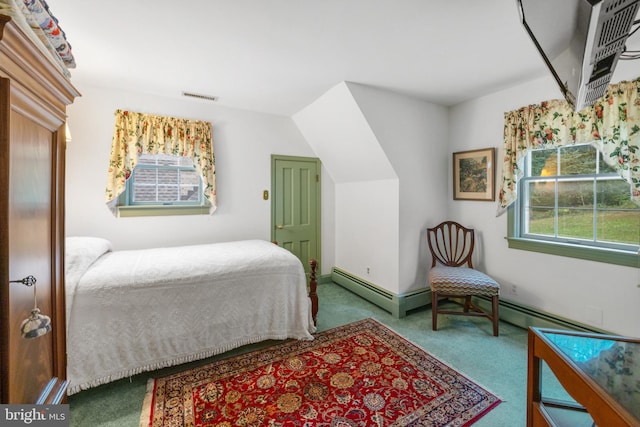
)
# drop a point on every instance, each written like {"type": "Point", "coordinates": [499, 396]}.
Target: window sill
{"type": "Point", "coordinates": [134, 211]}
{"type": "Point", "coordinates": [610, 256]}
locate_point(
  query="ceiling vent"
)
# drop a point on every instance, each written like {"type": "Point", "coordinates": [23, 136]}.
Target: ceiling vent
{"type": "Point", "coordinates": [200, 96]}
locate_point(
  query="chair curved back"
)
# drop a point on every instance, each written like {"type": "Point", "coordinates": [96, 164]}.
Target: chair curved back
{"type": "Point", "coordinates": [451, 244]}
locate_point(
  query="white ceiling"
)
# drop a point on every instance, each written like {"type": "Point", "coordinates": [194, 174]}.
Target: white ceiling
{"type": "Point", "coordinates": [278, 56]}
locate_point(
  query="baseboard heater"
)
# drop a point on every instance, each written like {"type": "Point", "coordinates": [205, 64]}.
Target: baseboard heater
{"type": "Point", "coordinates": [525, 316]}
{"type": "Point", "coordinates": [397, 305]}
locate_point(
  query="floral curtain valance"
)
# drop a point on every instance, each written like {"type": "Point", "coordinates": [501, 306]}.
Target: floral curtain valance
{"type": "Point", "coordinates": [137, 133]}
{"type": "Point", "coordinates": [612, 125]}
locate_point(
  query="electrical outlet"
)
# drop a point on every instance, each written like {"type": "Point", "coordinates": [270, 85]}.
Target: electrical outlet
{"type": "Point", "coordinates": [368, 270]}
{"type": "Point", "coordinates": [514, 289]}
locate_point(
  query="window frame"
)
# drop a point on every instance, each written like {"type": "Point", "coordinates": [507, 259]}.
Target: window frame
{"type": "Point", "coordinates": [128, 208]}
{"type": "Point", "coordinates": [626, 255]}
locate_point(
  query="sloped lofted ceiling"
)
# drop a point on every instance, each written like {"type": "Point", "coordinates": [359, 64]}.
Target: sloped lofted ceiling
{"type": "Point", "coordinates": [278, 56]}
{"type": "Point", "coordinates": [340, 135]}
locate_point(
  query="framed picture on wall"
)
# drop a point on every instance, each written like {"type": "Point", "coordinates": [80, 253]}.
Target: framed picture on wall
{"type": "Point", "coordinates": [473, 175]}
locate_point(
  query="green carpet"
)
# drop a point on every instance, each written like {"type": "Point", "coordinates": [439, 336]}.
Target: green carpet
{"type": "Point", "coordinates": [497, 363]}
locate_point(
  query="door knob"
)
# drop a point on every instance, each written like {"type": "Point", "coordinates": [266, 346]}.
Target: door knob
{"type": "Point", "coordinates": [279, 226]}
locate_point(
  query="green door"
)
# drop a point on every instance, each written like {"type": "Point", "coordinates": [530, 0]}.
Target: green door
{"type": "Point", "coordinates": [295, 206]}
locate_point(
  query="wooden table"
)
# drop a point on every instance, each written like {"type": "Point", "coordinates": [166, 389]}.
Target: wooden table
{"type": "Point", "coordinates": [600, 372]}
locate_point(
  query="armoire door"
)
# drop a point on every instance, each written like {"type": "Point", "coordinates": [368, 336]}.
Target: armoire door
{"type": "Point", "coordinates": [30, 233]}
{"type": "Point", "coordinates": [32, 248]}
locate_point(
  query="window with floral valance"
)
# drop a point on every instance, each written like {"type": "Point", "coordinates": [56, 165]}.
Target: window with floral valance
{"type": "Point", "coordinates": [612, 125]}
{"type": "Point", "coordinates": [137, 133]}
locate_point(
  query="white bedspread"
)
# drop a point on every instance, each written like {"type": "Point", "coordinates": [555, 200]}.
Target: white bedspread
{"type": "Point", "coordinates": [139, 310]}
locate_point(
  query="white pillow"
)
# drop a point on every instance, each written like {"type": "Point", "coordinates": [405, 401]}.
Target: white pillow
{"type": "Point", "coordinates": [80, 253]}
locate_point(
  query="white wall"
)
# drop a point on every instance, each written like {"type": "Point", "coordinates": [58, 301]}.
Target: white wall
{"type": "Point", "coordinates": [367, 225]}
{"type": "Point", "coordinates": [243, 144]}
{"type": "Point", "coordinates": [413, 134]}
{"type": "Point", "coordinates": [364, 212]}
{"type": "Point", "coordinates": [602, 295]}
{"type": "Point", "coordinates": [382, 150]}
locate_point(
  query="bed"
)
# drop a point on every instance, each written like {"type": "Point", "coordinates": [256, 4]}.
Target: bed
{"type": "Point", "coordinates": [139, 310]}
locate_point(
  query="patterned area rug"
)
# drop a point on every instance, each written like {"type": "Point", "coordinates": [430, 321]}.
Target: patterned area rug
{"type": "Point", "coordinates": [361, 374]}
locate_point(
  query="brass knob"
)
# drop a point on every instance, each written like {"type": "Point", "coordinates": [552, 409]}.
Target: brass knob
{"type": "Point", "coordinates": [279, 226]}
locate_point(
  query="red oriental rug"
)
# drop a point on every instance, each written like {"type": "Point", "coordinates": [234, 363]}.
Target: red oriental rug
{"type": "Point", "coordinates": [361, 374]}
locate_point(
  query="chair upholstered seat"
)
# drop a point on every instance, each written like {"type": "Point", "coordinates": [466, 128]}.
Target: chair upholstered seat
{"type": "Point", "coordinates": [462, 281]}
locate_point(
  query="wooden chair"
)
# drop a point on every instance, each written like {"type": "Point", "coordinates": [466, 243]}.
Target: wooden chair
{"type": "Point", "coordinates": [452, 274]}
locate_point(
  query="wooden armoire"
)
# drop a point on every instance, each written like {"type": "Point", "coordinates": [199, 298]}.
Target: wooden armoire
{"type": "Point", "coordinates": [34, 95]}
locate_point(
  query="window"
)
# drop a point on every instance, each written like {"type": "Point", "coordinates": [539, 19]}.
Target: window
{"type": "Point", "coordinates": [161, 181]}
{"type": "Point", "coordinates": [174, 189]}
{"type": "Point", "coordinates": [569, 197]}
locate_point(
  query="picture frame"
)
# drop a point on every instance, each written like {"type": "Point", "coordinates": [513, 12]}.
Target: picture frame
{"type": "Point", "coordinates": [474, 175]}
